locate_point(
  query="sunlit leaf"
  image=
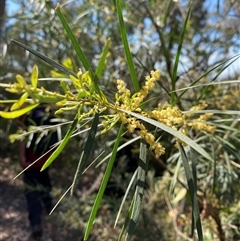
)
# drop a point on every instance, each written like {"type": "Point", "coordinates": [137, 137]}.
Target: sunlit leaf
{"type": "Point", "coordinates": [125, 196]}
{"type": "Point", "coordinates": [64, 86]}
{"type": "Point", "coordinates": [78, 49]}
{"type": "Point", "coordinates": [101, 63]}
{"type": "Point", "coordinates": [64, 142]}
{"type": "Point", "coordinates": [68, 63]}
{"type": "Point", "coordinates": [126, 47]}
{"type": "Point", "coordinates": [20, 102]}
{"type": "Point", "coordinates": [18, 113]}
{"type": "Point", "coordinates": [20, 80]}
{"type": "Point", "coordinates": [76, 82]}
{"type": "Point", "coordinates": [181, 39]}
{"type": "Point", "coordinates": [34, 76]}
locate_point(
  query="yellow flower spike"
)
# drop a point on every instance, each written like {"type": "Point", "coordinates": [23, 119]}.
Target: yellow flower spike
{"type": "Point", "coordinates": [20, 80]}
{"type": "Point", "coordinates": [201, 126]}
{"type": "Point", "coordinates": [14, 137]}
{"type": "Point", "coordinates": [150, 80]}
{"type": "Point", "coordinates": [34, 76]}
{"type": "Point", "coordinates": [200, 106]}
{"type": "Point", "coordinates": [159, 150]}
{"type": "Point", "coordinates": [205, 116]}
{"type": "Point", "coordinates": [123, 118]}
{"type": "Point", "coordinates": [123, 94]}
{"type": "Point", "coordinates": [138, 97]}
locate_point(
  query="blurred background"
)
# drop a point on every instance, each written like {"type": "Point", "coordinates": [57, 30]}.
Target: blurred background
{"type": "Point", "coordinates": [154, 27]}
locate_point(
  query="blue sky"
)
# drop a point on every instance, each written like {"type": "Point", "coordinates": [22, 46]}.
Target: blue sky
{"type": "Point", "coordinates": [12, 7]}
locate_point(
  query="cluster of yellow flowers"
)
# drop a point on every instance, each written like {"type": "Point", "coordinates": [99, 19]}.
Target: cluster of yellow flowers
{"type": "Point", "coordinates": [138, 98]}
{"type": "Point", "coordinates": [200, 122]}
{"type": "Point", "coordinates": [201, 106]}
{"type": "Point", "coordinates": [122, 96]}
{"type": "Point", "coordinates": [169, 115]}
{"type": "Point", "coordinates": [88, 102]}
{"type": "Point", "coordinates": [135, 125]}
{"type": "Point", "coordinates": [125, 101]}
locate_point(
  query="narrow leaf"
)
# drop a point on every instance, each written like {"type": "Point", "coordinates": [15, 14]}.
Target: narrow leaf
{"type": "Point", "coordinates": [127, 220]}
{"type": "Point", "coordinates": [101, 62]}
{"type": "Point", "coordinates": [223, 112]}
{"type": "Point", "coordinates": [60, 199]}
{"type": "Point", "coordinates": [103, 184]}
{"type": "Point", "coordinates": [17, 113]}
{"type": "Point", "coordinates": [74, 41]}
{"type": "Point", "coordinates": [86, 153]}
{"type": "Point", "coordinates": [77, 48]}
{"type": "Point", "coordinates": [62, 145]}
{"type": "Point", "coordinates": [45, 58]}
{"type": "Point", "coordinates": [125, 196]}
{"type": "Point", "coordinates": [205, 74]}
{"type": "Point", "coordinates": [142, 166]}
{"type": "Point", "coordinates": [194, 164]}
{"type": "Point", "coordinates": [174, 178]}
{"type": "Point", "coordinates": [204, 91]}
{"type": "Point", "coordinates": [175, 67]}
{"type": "Point", "coordinates": [192, 191]}
{"type": "Point", "coordinates": [226, 66]}
{"type": "Point", "coordinates": [64, 86]}
{"type": "Point", "coordinates": [227, 82]}
{"type": "Point", "coordinates": [126, 47]}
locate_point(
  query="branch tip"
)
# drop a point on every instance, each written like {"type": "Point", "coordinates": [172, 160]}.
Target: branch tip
{"type": "Point", "coordinates": [58, 6]}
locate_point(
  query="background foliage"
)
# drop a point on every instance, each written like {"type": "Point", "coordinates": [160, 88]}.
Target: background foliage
{"type": "Point", "coordinates": [211, 37]}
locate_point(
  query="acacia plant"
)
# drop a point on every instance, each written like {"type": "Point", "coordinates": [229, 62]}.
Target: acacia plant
{"type": "Point", "coordinates": [136, 111]}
